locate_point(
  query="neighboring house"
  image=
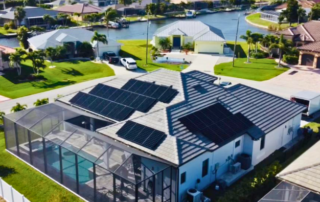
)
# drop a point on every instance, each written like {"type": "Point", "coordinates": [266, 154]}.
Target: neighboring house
{"type": "Point", "coordinates": [299, 180]}
{"type": "Point", "coordinates": [305, 4]}
{"type": "Point", "coordinates": [203, 37]}
{"type": "Point", "coordinates": [152, 137]}
{"type": "Point", "coordinates": [79, 8]}
{"type": "Point", "coordinates": [307, 38]}
{"type": "Point", "coordinates": [100, 3]}
{"type": "Point", "coordinates": [270, 15]}
{"type": "Point", "coordinates": [34, 16]}
{"type": "Point", "coordinates": [197, 4]}
{"type": "Point", "coordinates": [72, 37]}
{"type": "Point", "coordinates": [4, 59]}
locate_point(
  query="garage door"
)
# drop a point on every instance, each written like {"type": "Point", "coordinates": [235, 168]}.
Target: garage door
{"type": "Point", "coordinates": [307, 60]}
{"type": "Point", "coordinates": [208, 48]}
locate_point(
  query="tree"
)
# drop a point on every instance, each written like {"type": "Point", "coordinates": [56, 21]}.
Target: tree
{"type": "Point", "coordinates": [18, 107]}
{"type": "Point", "coordinates": [16, 58]}
{"type": "Point", "coordinates": [48, 19]}
{"type": "Point", "coordinates": [40, 102]}
{"type": "Point", "coordinates": [64, 17]}
{"type": "Point", "coordinates": [1, 116]}
{"type": "Point", "coordinates": [51, 53]}
{"type": "Point", "coordinates": [151, 8]}
{"type": "Point", "coordinates": [110, 15]}
{"type": "Point", "coordinates": [163, 8]}
{"type": "Point", "coordinates": [99, 38]}
{"type": "Point", "coordinates": [282, 46]}
{"type": "Point", "coordinates": [125, 2]}
{"type": "Point", "coordinates": [301, 14]}
{"type": "Point", "coordinates": [85, 49]}
{"type": "Point", "coordinates": [22, 35]}
{"type": "Point", "coordinates": [36, 29]}
{"type": "Point", "coordinates": [164, 43]}
{"type": "Point", "coordinates": [256, 38]}
{"type": "Point", "coordinates": [30, 2]}
{"type": "Point", "coordinates": [280, 20]}
{"type": "Point", "coordinates": [37, 59]}
{"type": "Point", "coordinates": [291, 13]}
{"type": "Point", "coordinates": [19, 14]}
{"type": "Point", "coordinates": [249, 40]}
{"type": "Point", "coordinates": [315, 12]}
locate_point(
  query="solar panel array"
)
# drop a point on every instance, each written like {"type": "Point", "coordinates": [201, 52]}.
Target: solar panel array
{"type": "Point", "coordinates": [217, 123]}
{"type": "Point", "coordinates": [102, 106]}
{"type": "Point", "coordinates": [133, 100]}
{"type": "Point", "coordinates": [141, 135]}
{"type": "Point", "coordinates": [162, 93]}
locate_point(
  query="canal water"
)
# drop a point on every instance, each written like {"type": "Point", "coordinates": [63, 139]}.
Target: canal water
{"type": "Point", "coordinates": [225, 21]}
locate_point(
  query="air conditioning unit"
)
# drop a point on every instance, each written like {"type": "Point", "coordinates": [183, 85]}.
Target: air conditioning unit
{"type": "Point", "coordinates": [194, 195]}
{"type": "Point", "coordinates": [235, 168]}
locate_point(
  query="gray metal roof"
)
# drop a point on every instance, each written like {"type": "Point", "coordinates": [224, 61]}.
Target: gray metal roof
{"type": "Point", "coordinates": [266, 111]}
{"type": "Point", "coordinates": [306, 95]}
{"type": "Point", "coordinates": [197, 30]}
{"type": "Point", "coordinates": [31, 12]}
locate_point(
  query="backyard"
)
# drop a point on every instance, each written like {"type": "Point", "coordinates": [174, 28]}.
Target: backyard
{"type": "Point", "coordinates": [9, 31]}
{"type": "Point", "coordinates": [29, 182]}
{"type": "Point", "coordinates": [65, 73]}
{"type": "Point", "coordinates": [255, 18]}
{"type": "Point", "coordinates": [137, 50]}
{"type": "Point", "coordinates": [257, 70]}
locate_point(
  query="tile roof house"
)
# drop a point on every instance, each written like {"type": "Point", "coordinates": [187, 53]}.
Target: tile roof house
{"type": "Point", "coordinates": [300, 181]}
{"type": "Point", "coordinates": [307, 38]}
{"type": "Point", "coordinates": [73, 37]}
{"type": "Point", "coordinates": [34, 16]}
{"type": "Point", "coordinates": [182, 120]}
{"type": "Point", "coordinates": [203, 37]}
{"type": "Point", "coordinates": [79, 8]}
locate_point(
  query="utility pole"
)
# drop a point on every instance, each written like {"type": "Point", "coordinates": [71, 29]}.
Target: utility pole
{"type": "Point", "coordinates": [235, 44]}
{"type": "Point", "coordinates": [147, 39]}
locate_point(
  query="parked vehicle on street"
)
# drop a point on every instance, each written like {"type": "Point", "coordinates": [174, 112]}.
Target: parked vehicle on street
{"type": "Point", "coordinates": [129, 63]}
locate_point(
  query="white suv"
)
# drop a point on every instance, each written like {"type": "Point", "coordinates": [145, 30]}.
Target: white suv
{"type": "Point", "coordinates": [129, 63]}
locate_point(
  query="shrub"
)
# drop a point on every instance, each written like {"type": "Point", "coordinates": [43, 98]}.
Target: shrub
{"type": "Point", "coordinates": [164, 43]}
{"type": "Point", "coordinates": [85, 49]}
{"type": "Point", "coordinates": [290, 59]}
{"type": "Point", "coordinates": [258, 55]}
{"type": "Point", "coordinates": [6, 26]}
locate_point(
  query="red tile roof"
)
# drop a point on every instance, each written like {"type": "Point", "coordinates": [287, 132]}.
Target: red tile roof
{"type": "Point", "coordinates": [6, 49]}
{"type": "Point", "coordinates": [79, 8]}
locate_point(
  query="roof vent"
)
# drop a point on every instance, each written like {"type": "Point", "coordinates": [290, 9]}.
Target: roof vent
{"type": "Point", "coordinates": [200, 89]}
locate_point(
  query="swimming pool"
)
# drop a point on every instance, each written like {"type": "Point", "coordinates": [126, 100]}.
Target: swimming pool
{"type": "Point", "coordinates": [69, 164]}
{"type": "Point", "coordinates": [171, 60]}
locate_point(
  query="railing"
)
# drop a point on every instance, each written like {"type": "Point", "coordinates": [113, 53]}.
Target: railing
{"type": "Point", "coordinates": [9, 194]}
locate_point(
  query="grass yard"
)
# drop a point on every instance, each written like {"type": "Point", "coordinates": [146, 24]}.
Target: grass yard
{"type": "Point", "coordinates": [29, 182]}
{"type": "Point", "coordinates": [135, 18]}
{"type": "Point", "coordinates": [137, 50]}
{"type": "Point", "coordinates": [255, 18]}
{"type": "Point", "coordinates": [9, 31]}
{"type": "Point", "coordinates": [64, 74]}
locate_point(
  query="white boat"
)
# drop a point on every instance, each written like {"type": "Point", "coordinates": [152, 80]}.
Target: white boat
{"type": "Point", "coordinates": [191, 14]}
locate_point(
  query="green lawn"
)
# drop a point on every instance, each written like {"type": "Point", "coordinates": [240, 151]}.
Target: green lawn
{"type": "Point", "coordinates": [134, 18]}
{"type": "Point", "coordinates": [29, 182]}
{"type": "Point", "coordinates": [255, 18]}
{"type": "Point", "coordinates": [64, 74]}
{"type": "Point", "coordinates": [137, 50]}
{"type": "Point", "coordinates": [9, 31]}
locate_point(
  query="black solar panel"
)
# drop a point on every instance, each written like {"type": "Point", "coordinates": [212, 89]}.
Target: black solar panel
{"type": "Point", "coordinates": [141, 135]}
{"type": "Point", "coordinates": [217, 123]}
{"type": "Point", "coordinates": [101, 106]}
{"type": "Point", "coordinates": [162, 93]}
{"type": "Point", "coordinates": [133, 100]}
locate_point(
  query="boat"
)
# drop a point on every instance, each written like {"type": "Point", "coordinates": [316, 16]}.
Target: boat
{"type": "Point", "coordinates": [123, 23]}
{"type": "Point", "coordinates": [113, 25]}
{"type": "Point", "coordinates": [191, 14]}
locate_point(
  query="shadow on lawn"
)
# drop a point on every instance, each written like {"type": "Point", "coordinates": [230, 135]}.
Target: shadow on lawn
{"type": "Point", "coordinates": [6, 171]}
{"type": "Point", "coordinates": [126, 54]}
{"type": "Point", "coordinates": [72, 72]}
{"type": "Point", "coordinates": [27, 75]}
{"type": "Point", "coordinates": [239, 50]}
{"type": "Point", "coordinates": [52, 85]}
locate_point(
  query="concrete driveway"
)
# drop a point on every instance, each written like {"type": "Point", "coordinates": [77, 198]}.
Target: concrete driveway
{"type": "Point", "coordinates": [120, 70]}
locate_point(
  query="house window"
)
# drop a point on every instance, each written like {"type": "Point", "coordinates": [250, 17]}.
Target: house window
{"type": "Point", "coordinates": [205, 166]}
{"type": "Point", "coordinates": [237, 144]}
{"type": "Point", "coordinates": [183, 177]}
{"type": "Point", "coordinates": [262, 142]}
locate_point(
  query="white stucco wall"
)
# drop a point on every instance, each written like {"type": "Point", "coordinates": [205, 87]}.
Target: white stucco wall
{"type": "Point", "coordinates": [276, 139]}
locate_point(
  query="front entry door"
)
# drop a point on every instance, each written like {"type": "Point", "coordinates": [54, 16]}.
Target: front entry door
{"type": "Point", "coordinates": [176, 42]}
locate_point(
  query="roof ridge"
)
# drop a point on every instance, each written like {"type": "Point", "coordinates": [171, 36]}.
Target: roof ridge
{"type": "Point", "coordinates": [307, 32]}
{"type": "Point", "coordinates": [299, 170]}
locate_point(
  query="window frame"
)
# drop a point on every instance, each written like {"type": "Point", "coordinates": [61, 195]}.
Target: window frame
{"type": "Point", "coordinates": [262, 142]}
{"type": "Point", "coordinates": [205, 167]}
{"type": "Point", "coordinates": [183, 177]}
{"type": "Point", "coordinates": [237, 144]}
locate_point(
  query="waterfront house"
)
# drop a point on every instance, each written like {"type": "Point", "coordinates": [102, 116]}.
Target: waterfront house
{"type": "Point", "coordinates": [34, 16]}
{"type": "Point", "coordinates": [80, 9]}
{"type": "Point", "coordinates": [72, 37]}
{"type": "Point", "coordinates": [152, 137]}
{"type": "Point", "coordinates": [305, 4]}
{"type": "Point", "coordinates": [307, 39]}
{"type": "Point", "coordinates": [204, 38]}
{"type": "Point", "coordinates": [299, 180]}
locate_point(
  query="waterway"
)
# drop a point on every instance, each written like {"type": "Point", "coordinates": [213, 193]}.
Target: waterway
{"type": "Point", "coordinates": [225, 21]}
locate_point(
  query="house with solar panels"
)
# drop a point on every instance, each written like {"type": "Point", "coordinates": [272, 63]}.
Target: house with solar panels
{"type": "Point", "coordinates": [160, 136]}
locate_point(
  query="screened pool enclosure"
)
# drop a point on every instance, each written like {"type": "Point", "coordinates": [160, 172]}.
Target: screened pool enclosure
{"type": "Point", "coordinates": [60, 141]}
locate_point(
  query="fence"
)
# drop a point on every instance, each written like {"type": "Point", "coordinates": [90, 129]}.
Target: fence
{"type": "Point", "coordinates": [9, 194]}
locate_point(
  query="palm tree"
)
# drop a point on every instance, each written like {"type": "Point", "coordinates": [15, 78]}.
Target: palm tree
{"type": "Point", "coordinates": [256, 37]}
{"type": "Point", "coordinates": [48, 19]}
{"type": "Point", "coordinates": [18, 107]}
{"type": "Point", "coordinates": [40, 102]}
{"type": "Point", "coordinates": [16, 58]}
{"type": "Point", "coordinates": [301, 14]}
{"type": "Point", "coordinates": [249, 40]}
{"type": "Point", "coordinates": [37, 60]}
{"type": "Point", "coordinates": [51, 53]}
{"type": "Point", "coordinates": [19, 14]}
{"type": "Point", "coordinates": [110, 15]}
{"type": "Point", "coordinates": [282, 46]}
{"type": "Point", "coordinates": [99, 38]}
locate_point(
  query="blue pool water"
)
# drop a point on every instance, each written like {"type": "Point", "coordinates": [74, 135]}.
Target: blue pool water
{"type": "Point", "coordinates": [170, 60]}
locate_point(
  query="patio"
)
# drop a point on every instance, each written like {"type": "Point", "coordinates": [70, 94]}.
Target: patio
{"type": "Point", "coordinates": [57, 142]}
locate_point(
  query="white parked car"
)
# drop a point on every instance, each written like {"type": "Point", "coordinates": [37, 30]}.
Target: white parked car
{"type": "Point", "coordinates": [129, 63]}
